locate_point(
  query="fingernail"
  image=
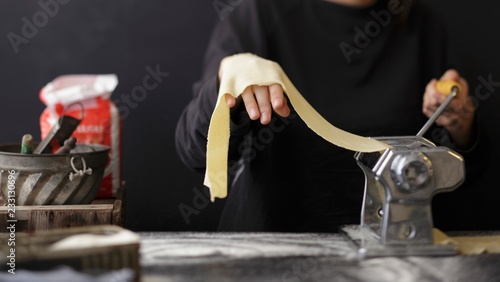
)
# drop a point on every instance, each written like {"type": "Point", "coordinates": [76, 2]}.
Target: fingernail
{"type": "Point", "coordinates": [276, 103]}
{"type": "Point", "coordinates": [253, 113]}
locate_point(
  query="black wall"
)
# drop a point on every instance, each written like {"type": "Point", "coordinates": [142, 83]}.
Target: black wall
{"type": "Point", "coordinates": [124, 37]}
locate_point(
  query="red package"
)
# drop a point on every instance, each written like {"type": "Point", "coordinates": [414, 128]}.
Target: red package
{"type": "Point", "coordinates": [86, 97]}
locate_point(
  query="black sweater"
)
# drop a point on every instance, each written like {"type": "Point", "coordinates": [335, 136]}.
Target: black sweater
{"type": "Point", "coordinates": [364, 70]}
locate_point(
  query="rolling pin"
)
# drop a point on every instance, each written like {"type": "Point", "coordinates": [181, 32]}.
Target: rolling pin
{"type": "Point", "coordinates": [27, 144]}
{"type": "Point", "coordinates": [68, 145]}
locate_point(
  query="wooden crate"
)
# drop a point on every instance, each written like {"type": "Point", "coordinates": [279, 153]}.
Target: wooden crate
{"type": "Point", "coordinates": [47, 217]}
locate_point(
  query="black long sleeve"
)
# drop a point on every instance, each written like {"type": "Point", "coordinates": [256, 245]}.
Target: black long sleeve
{"type": "Point", "coordinates": [237, 32]}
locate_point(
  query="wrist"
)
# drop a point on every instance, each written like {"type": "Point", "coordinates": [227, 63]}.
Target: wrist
{"type": "Point", "coordinates": [462, 132]}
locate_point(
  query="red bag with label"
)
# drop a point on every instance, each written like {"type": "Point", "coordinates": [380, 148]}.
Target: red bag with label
{"type": "Point", "coordinates": [86, 97]}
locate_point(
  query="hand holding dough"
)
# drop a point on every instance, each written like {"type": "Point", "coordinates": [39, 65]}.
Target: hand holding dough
{"type": "Point", "coordinates": [241, 71]}
{"type": "Point", "coordinates": [261, 101]}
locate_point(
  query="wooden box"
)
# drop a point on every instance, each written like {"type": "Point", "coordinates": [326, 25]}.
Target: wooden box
{"type": "Point", "coordinates": [48, 217]}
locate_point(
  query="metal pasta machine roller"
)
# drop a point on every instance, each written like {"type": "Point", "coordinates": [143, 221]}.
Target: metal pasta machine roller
{"type": "Point", "coordinates": [396, 217]}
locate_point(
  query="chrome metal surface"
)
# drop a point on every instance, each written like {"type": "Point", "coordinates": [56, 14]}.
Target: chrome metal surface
{"type": "Point", "coordinates": [369, 245]}
{"type": "Point", "coordinates": [399, 185]}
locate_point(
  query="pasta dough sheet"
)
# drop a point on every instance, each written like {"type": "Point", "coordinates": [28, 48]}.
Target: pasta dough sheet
{"type": "Point", "coordinates": [469, 245]}
{"type": "Point", "coordinates": [246, 69]}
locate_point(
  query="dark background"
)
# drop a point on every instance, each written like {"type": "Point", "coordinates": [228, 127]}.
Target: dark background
{"type": "Point", "coordinates": [124, 37]}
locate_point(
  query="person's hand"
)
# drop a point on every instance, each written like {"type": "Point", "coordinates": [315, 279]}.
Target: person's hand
{"type": "Point", "coordinates": [458, 117]}
{"type": "Point", "coordinates": [260, 101]}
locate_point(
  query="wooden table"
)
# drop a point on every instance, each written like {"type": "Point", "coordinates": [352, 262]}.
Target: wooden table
{"type": "Point", "coordinates": [241, 257]}
{"type": "Point", "coordinates": [190, 256]}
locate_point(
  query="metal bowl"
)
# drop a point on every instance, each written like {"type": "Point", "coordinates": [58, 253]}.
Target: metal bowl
{"type": "Point", "coordinates": [49, 179]}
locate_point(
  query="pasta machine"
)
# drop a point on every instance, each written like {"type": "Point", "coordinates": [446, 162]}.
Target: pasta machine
{"type": "Point", "coordinates": [396, 216]}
